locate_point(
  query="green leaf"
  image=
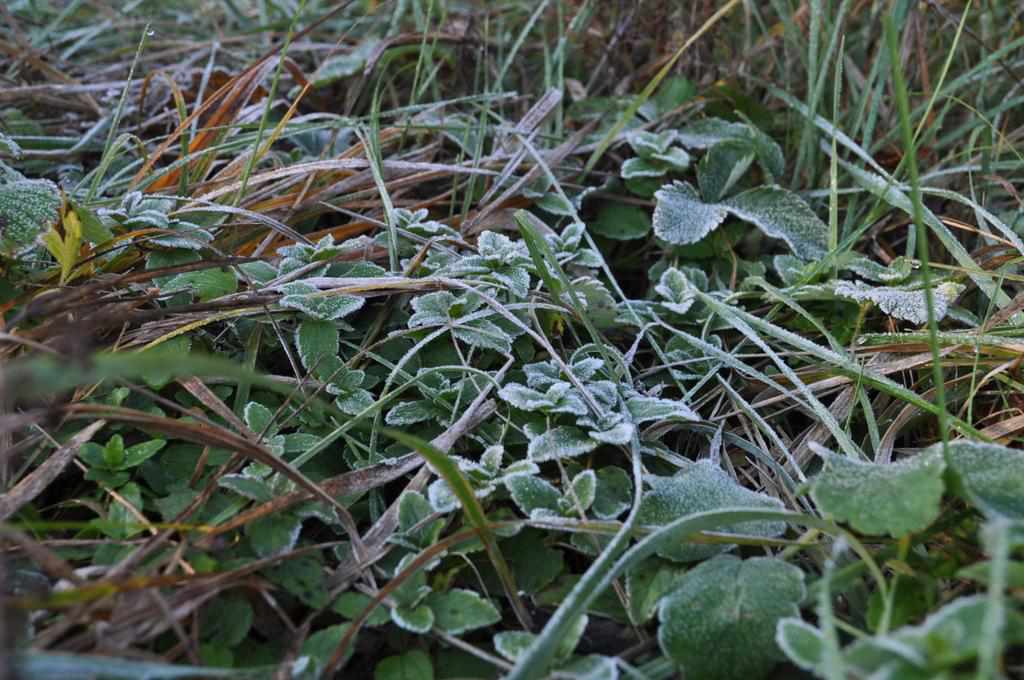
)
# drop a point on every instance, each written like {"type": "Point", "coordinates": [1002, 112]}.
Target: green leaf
{"type": "Point", "coordinates": [273, 534]}
{"type": "Point", "coordinates": [323, 306]}
{"type": "Point", "coordinates": [722, 166]}
{"type": "Point", "coordinates": [484, 334]}
{"type": "Point", "coordinates": [991, 476]}
{"type": "Point", "coordinates": [783, 215]}
{"type": "Point", "coordinates": [896, 499]}
{"type": "Point", "coordinates": [121, 523]}
{"type": "Point", "coordinates": [315, 340]}
{"type": "Point", "coordinates": [906, 303]}
{"type": "Point", "coordinates": [320, 646]}
{"type": "Point", "coordinates": [564, 441]}
{"type": "Point", "coordinates": [139, 453]}
{"type": "Point", "coordinates": [410, 413]}
{"type": "Point", "coordinates": [534, 496]}
{"type": "Point", "coordinates": [511, 644]}
{"type": "Point", "coordinates": [646, 584]}
{"type": "Point", "coordinates": [621, 221]}
{"type": "Point", "coordinates": [802, 643]}
{"type": "Point", "coordinates": [28, 208]}
{"type": "Point", "coordinates": [351, 605]}
{"type": "Point", "coordinates": [701, 487]}
{"type": "Point", "coordinates": [259, 418]}
{"type": "Point", "coordinates": [228, 622]}
{"type": "Point", "coordinates": [413, 509]}
{"type": "Point", "coordinates": [206, 284]}
{"type": "Point", "coordinates": [413, 665]}
{"type": "Point", "coordinates": [735, 603]}
{"type": "Point", "coordinates": [674, 287]}
{"type": "Point", "coordinates": [458, 611]}
{"type": "Point", "coordinates": [681, 217]}
{"type": "Point", "coordinates": [584, 487]}
{"type": "Point", "coordinates": [614, 493]}
{"type": "Point", "coordinates": [446, 468]}
{"type": "Point", "coordinates": [248, 486]}
{"type": "Point", "coordinates": [419, 619]}
{"type": "Point", "coordinates": [304, 577]}
{"type": "Point", "coordinates": [644, 409]}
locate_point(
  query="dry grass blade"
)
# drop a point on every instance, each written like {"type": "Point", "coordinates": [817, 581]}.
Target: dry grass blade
{"type": "Point", "coordinates": [36, 481]}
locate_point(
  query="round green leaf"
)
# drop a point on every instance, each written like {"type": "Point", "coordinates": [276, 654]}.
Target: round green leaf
{"type": "Point", "coordinates": [719, 624]}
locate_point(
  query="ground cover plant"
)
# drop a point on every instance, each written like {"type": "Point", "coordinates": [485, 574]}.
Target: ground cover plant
{"type": "Point", "coordinates": [434, 339]}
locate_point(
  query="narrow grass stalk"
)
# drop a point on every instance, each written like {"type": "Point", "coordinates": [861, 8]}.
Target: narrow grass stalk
{"type": "Point", "coordinates": [910, 153]}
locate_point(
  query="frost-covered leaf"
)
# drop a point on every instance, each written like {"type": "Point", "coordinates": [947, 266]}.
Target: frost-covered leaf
{"type": "Point", "coordinates": [947, 638]}
{"type": "Point", "coordinates": [614, 492]}
{"type": "Point", "coordinates": [315, 340]}
{"type": "Point", "coordinates": [735, 606]}
{"type": "Point", "coordinates": [703, 134]}
{"type": "Point", "coordinates": [260, 271]}
{"type": "Point", "coordinates": [790, 268]}
{"type": "Point", "coordinates": [677, 290]}
{"type": "Point", "coordinates": [584, 487]}
{"type": "Point", "coordinates": [484, 334]}
{"type": "Point", "coordinates": [991, 476]}
{"type": "Point", "coordinates": [259, 418]}
{"type": "Point", "coordinates": [431, 309]}
{"type": "Point", "coordinates": [273, 534]}
{"type": "Point", "coordinates": [784, 215]}
{"type": "Point", "coordinates": [646, 584]}
{"type": "Point", "coordinates": [646, 143]}
{"type": "Point", "coordinates": [206, 284]}
{"type": "Point", "coordinates": [560, 442]}
{"type": "Point", "coordinates": [802, 643]}
{"type": "Point", "coordinates": [534, 496]}
{"type": "Point", "coordinates": [618, 431]}
{"type": "Point", "coordinates": [327, 307]}
{"type": "Point", "coordinates": [643, 409]}
{"type": "Point", "coordinates": [722, 166]}
{"type": "Point", "coordinates": [457, 611]}
{"type": "Point", "coordinates": [28, 208]}
{"type": "Point", "coordinates": [410, 413]}
{"type": "Point", "coordinates": [413, 510]}
{"type": "Point", "coordinates": [903, 303]}
{"type": "Point", "coordinates": [419, 619]}
{"type": "Point", "coordinates": [898, 270]}
{"type": "Point", "coordinates": [559, 397]}
{"type": "Point", "coordinates": [250, 487]}
{"type": "Point", "coordinates": [701, 487]}
{"type": "Point", "coordinates": [896, 498]}
{"type": "Point", "coordinates": [511, 644]}
{"type": "Point", "coordinates": [681, 217]}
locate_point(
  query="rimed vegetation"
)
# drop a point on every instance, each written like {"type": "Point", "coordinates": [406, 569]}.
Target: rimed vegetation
{"type": "Point", "coordinates": [556, 338]}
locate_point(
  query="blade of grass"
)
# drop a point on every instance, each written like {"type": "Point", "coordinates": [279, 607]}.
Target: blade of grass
{"type": "Point", "coordinates": [910, 154]}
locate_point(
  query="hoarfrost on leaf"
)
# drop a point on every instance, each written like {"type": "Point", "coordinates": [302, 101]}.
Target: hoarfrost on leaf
{"type": "Point", "coordinates": [564, 441]}
{"type": "Point", "coordinates": [719, 623]}
{"type": "Point", "coordinates": [896, 499]}
{"type": "Point", "coordinates": [902, 302]}
{"type": "Point", "coordinates": [701, 487]}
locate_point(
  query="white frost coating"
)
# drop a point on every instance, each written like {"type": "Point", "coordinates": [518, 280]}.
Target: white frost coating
{"type": "Point", "coordinates": [719, 623]}
{"type": "Point", "coordinates": [902, 303]}
{"type": "Point", "coordinates": [681, 217]}
{"type": "Point", "coordinates": [699, 488]}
